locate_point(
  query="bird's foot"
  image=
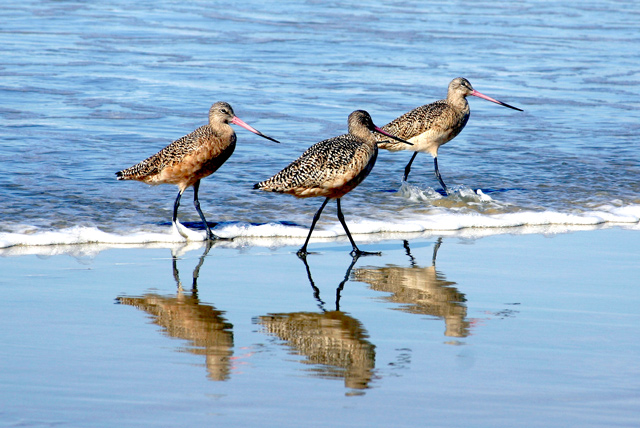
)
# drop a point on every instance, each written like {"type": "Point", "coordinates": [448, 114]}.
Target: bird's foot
{"type": "Point", "coordinates": [444, 191]}
{"type": "Point", "coordinates": [186, 233]}
{"type": "Point", "coordinates": [358, 253]}
{"type": "Point", "coordinates": [213, 237]}
{"type": "Point", "coordinates": [303, 253]}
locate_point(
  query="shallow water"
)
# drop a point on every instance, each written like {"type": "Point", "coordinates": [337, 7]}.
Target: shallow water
{"type": "Point", "coordinates": [503, 331]}
{"type": "Point", "coordinates": [519, 322]}
{"type": "Point", "coordinates": [89, 89]}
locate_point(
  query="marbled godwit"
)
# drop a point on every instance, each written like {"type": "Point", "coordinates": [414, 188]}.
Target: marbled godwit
{"type": "Point", "coordinates": [193, 157]}
{"type": "Point", "coordinates": [331, 168]}
{"type": "Point", "coordinates": [430, 126]}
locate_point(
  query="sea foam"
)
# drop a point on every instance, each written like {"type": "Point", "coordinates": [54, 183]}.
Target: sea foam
{"type": "Point", "coordinates": [437, 220]}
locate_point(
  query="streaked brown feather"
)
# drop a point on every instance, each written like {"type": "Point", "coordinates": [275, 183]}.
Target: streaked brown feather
{"type": "Point", "coordinates": [330, 168]}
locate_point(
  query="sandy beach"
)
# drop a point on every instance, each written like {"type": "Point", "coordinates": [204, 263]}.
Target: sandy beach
{"type": "Point", "coordinates": [516, 329]}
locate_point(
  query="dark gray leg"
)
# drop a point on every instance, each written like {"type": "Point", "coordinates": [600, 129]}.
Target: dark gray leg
{"type": "Point", "coordinates": [302, 252]}
{"type": "Point", "coordinates": [196, 203]}
{"type": "Point", "coordinates": [356, 251]}
{"type": "Point", "coordinates": [176, 204]}
{"type": "Point", "coordinates": [407, 168]}
{"type": "Point", "coordinates": [439, 177]}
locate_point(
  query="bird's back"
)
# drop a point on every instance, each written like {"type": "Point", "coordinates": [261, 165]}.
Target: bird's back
{"type": "Point", "coordinates": [330, 168]}
{"type": "Point", "coordinates": [184, 161]}
{"type": "Point", "coordinates": [430, 124]}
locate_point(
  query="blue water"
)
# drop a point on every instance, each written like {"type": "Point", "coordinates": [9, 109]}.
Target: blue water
{"type": "Point", "coordinates": [528, 326]}
{"type": "Point", "coordinates": [88, 89]}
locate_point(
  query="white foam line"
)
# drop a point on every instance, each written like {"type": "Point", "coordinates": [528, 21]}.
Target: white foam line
{"type": "Point", "coordinates": [443, 220]}
{"type": "Point", "coordinates": [86, 235]}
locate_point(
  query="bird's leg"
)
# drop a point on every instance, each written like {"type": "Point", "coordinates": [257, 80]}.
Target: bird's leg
{"type": "Point", "coordinates": [176, 204]}
{"type": "Point", "coordinates": [302, 252]}
{"type": "Point", "coordinates": [356, 251]}
{"type": "Point", "coordinates": [196, 203]}
{"type": "Point", "coordinates": [407, 168]}
{"type": "Point", "coordinates": [439, 177]}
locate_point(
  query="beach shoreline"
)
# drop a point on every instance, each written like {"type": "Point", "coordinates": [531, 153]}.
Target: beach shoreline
{"type": "Point", "coordinates": [91, 240]}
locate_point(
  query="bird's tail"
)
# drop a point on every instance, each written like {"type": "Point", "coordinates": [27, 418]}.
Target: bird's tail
{"type": "Point", "coordinates": [262, 186]}
{"type": "Point", "coordinates": [270, 186]}
{"type": "Point", "coordinates": [127, 174]}
{"type": "Point", "coordinates": [136, 172]}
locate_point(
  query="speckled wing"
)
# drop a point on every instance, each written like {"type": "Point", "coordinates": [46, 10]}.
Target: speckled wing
{"type": "Point", "coordinates": [170, 155]}
{"type": "Point", "coordinates": [325, 168]}
{"type": "Point", "coordinates": [411, 124]}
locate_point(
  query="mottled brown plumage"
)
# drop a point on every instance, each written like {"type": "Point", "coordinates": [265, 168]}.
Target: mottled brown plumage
{"type": "Point", "coordinates": [430, 126]}
{"type": "Point", "coordinates": [193, 157]}
{"type": "Point", "coordinates": [188, 159]}
{"type": "Point", "coordinates": [330, 168]}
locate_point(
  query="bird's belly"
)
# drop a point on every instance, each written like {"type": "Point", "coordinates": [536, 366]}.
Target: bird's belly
{"type": "Point", "coordinates": [335, 189]}
{"type": "Point", "coordinates": [183, 174]}
{"type": "Point", "coordinates": [429, 141]}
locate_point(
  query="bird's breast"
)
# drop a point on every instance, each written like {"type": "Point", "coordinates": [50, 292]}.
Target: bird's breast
{"type": "Point", "coordinates": [209, 158]}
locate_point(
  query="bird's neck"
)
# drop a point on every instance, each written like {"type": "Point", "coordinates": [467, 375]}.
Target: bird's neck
{"type": "Point", "coordinates": [366, 137]}
{"type": "Point", "coordinates": [459, 103]}
{"type": "Point", "coordinates": [221, 129]}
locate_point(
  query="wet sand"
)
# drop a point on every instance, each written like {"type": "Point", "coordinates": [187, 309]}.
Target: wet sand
{"type": "Point", "coordinates": [445, 330]}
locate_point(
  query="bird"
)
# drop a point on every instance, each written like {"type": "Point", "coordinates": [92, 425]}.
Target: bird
{"type": "Point", "coordinates": [193, 157]}
{"type": "Point", "coordinates": [430, 126]}
{"type": "Point", "coordinates": [331, 169]}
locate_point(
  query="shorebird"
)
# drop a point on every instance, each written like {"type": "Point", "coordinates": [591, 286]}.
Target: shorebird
{"type": "Point", "coordinates": [331, 169]}
{"type": "Point", "coordinates": [193, 157]}
{"type": "Point", "coordinates": [430, 126]}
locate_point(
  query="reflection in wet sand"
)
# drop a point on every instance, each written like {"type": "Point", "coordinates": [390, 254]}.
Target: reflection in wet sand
{"type": "Point", "coordinates": [334, 342]}
{"type": "Point", "coordinates": [420, 290]}
{"type": "Point", "coordinates": [183, 316]}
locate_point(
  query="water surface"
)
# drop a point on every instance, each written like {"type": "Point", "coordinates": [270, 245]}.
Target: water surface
{"type": "Point", "coordinates": [90, 89]}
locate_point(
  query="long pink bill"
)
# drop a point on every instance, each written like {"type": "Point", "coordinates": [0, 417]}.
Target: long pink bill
{"type": "Point", "coordinates": [392, 136]}
{"type": "Point", "coordinates": [483, 96]}
{"type": "Point", "coordinates": [239, 122]}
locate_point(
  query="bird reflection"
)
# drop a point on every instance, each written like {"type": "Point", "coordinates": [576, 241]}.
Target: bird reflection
{"type": "Point", "coordinates": [333, 342]}
{"type": "Point", "coordinates": [420, 290]}
{"type": "Point", "coordinates": [183, 316]}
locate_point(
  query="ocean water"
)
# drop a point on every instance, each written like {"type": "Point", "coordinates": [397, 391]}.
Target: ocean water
{"type": "Point", "coordinates": [87, 89]}
{"type": "Point", "coordinates": [109, 318]}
